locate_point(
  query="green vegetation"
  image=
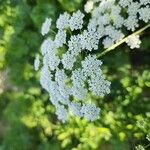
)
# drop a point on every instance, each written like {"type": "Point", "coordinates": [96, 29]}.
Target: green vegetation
{"type": "Point", "coordinates": [27, 119]}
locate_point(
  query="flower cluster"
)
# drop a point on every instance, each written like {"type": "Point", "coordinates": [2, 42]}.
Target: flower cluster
{"type": "Point", "coordinates": [88, 6]}
{"type": "Point", "coordinates": [69, 70]}
{"type": "Point", "coordinates": [46, 25]}
{"type": "Point", "coordinates": [108, 19]}
{"type": "Point", "coordinates": [133, 41]}
{"type": "Point", "coordinates": [37, 63]}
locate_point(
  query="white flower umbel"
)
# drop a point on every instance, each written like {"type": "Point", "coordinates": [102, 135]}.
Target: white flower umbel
{"type": "Point", "coordinates": [131, 23]}
{"type": "Point", "coordinates": [108, 12]}
{"type": "Point", "coordinates": [63, 21]}
{"type": "Point", "coordinates": [61, 78]}
{"type": "Point", "coordinates": [79, 92]}
{"type": "Point", "coordinates": [47, 46]}
{"type": "Point", "coordinates": [70, 70]}
{"type": "Point", "coordinates": [75, 108]}
{"type": "Point", "coordinates": [144, 2]}
{"type": "Point", "coordinates": [60, 38]}
{"type": "Point", "coordinates": [91, 65]}
{"type": "Point", "coordinates": [54, 93]}
{"type": "Point", "coordinates": [36, 63]}
{"type": "Point", "coordinates": [68, 60]}
{"type": "Point", "coordinates": [115, 10]}
{"type": "Point", "coordinates": [145, 13]}
{"type": "Point", "coordinates": [105, 5]}
{"type": "Point", "coordinates": [51, 60]}
{"type": "Point", "coordinates": [133, 41]}
{"type": "Point", "coordinates": [118, 21]}
{"type": "Point", "coordinates": [108, 42]}
{"type": "Point", "coordinates": [88, 6]}
{"type": "Point", "coordinates": [75, 44]}
{"type": "Point", "coordinates": [76, 21]}
{"type": "Point", "coordinates": [90, 40]}
{"type": "Point", "coordinates": [69, 57]}
{"type": "Point", "coordinates": [61, 113]}
{"type": "Point", "coordinates": [78, 78]}
{"type": "Point", "coordinates": [125, 3]}
{"type": "Point", "coordinates": [90, 111]}
{"type": "Point", "coordinates": [46, 26]}
{"type": "Point", "coordinates": [78, 89]}
{"type": "Point", "coordinates": [45, 78]}
{"type": "Point", "coordinates": [133, 8]}
{"type": "Point", "coordinates": [48, 50]}
{"type": "Point", "coordinates": [97, 83]}
{"type": "Point", "coordinates": [113, 33]}
{"type": "Point", "coordinates": [104, 19]}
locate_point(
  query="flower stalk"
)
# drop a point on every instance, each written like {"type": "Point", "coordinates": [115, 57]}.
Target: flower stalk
{"type": "Point", "coordinates": [122, 41]}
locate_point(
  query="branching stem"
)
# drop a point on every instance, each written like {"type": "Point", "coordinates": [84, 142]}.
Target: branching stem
{"type": "Point", "coordinates": [53, 31]}
{"type": "Point", "coordinates": [122, 41]}
{"type": "Point", "coordinates": [147, 146]}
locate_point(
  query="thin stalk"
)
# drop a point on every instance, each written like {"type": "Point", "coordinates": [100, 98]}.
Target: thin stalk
{"type": "Point", "coordinates": [147, 146]}
{"type": "Point", "coordinates": [53, 31]}
{"type": "Point", "coordinates": [122, 41]}
{"type": "Point", "coordinates": [69, 31]}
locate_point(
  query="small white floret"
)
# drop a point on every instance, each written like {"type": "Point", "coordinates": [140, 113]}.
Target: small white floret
{"type": "Point", "coordinates": [60, 38]}
{"type": "Point", "coordinates": [63, 21]}
{"type": "Point", "coordinates": [133, 41]}
{"type": "Point", "coordinates": [75, 108]}
{"type": "Point", "coordinates": [90, 111]}
{"type": "Point", "coordinates": [145, 14]}
{"type": "Point", "coordinates": [46, 26]}
{"type": "Point", "coordinates": [36, 63]}
{"type": "Point", "coordinates": [62, 113]}
{"type": "Point", "coordinates": [88, 6]}
{"type": "Point", "coordinates": [76, 21]}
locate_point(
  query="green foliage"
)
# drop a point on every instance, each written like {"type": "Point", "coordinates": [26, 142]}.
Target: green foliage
{"type": "Point", "coordinates": [27, 119]}
{"type": "Point", "coordinates": [70, 6]}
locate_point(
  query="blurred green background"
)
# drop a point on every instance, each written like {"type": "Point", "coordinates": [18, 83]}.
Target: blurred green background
{"type": "Point", "coordinates": [27, 119]}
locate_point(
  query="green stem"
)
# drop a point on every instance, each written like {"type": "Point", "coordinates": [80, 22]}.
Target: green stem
{"type": "Point", "coordinates": [69, 30]}
{"type": "Point", "coordinates": [53, 31]}
{"type": "Point", "coordinates": [147, 146]}
{"type": "Point", "coordinates": [122, 41]}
